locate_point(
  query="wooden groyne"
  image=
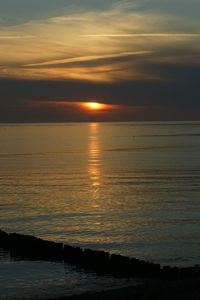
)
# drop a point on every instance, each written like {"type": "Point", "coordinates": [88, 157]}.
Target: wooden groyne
{"type": "Point", "coordinates": [33, 248]}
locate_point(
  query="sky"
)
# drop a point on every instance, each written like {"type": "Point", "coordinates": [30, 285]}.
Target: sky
{"type": "Point", "coordinates": [140, 58]}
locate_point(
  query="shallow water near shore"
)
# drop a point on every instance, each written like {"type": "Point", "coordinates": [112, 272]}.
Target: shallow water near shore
{"type": "Point", "coordinates": [20, 279]}
{"type": "Point", "coordinates": [128, 188]}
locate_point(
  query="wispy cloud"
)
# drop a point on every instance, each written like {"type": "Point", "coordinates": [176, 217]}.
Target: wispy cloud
{"type": "Point", "coordinates": [15, 37]}
{"type": "Point", "coordinates": [94, 45]}
{"type": "Point", "coordinates": [145, 35]}
{"type": "Point", "coordinates": [87, 58]}
{"type": "Point", "coordinates": [141, 53]}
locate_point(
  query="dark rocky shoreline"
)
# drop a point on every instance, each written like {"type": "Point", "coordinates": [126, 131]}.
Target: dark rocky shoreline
{"type": "Point", "coordinates": [33, 248]}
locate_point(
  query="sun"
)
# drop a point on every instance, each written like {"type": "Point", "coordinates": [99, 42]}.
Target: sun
{"type": "Point", "coordinates": [94, 105]}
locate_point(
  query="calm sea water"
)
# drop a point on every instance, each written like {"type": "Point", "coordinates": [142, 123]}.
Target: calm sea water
{"type": "Point", "coordinates": [129, 188]}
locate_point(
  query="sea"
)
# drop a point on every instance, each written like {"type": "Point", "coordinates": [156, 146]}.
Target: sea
{"type": "Point", "coordinates": [130, 188]}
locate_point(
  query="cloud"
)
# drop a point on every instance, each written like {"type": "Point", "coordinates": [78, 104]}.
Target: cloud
{"type": "Point", "coordinates": [145, 35]}
{"type": "Point", "coordinates": [15, 37]}
{"type": "Point", "coordinates": [82, 59]}
{"type": "Point", "coordinates": [183, 81]}
{"type": "Point", "coordinates": [16, 12]}
{"type": "Point", "coordinates": [131, 53]}
{"type": "Point", "coordinates": [175, 99]}
{"type": "Point", "coordinates": [66, 47]}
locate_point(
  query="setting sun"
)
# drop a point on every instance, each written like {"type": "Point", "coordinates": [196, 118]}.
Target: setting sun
{"type": "Point", "coordinates": [94, 105]}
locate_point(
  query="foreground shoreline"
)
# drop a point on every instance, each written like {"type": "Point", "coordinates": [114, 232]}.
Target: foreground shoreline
{"type": "Point", "coordinates": [150, 290]}
{"type": "Point", "coordinates": [161, 283]}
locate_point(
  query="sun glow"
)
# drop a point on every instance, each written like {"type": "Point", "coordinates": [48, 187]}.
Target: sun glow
{"type": "Point", "coordinates": [94, 105]}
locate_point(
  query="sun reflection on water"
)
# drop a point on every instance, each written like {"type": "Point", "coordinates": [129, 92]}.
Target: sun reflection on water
{"type": "Point", "coordinates": [94, 160]}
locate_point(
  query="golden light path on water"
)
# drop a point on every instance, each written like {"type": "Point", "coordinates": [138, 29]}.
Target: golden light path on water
{"type": "Point", "coordinates": [94, 160]}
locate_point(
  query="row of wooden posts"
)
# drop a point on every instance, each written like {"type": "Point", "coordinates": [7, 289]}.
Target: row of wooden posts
{"type": "Point", "coordinates": [33, 248]}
